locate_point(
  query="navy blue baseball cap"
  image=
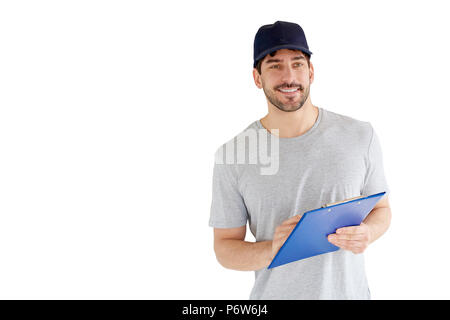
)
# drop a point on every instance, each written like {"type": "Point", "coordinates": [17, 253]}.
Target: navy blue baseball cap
{"type": "Point", "coordinates": [280, 35]}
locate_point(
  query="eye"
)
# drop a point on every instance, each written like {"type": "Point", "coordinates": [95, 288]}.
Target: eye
{"type": "Point", "coordinates": [299, 64]}
{"type": "Point", "coordinates": [274, 66]}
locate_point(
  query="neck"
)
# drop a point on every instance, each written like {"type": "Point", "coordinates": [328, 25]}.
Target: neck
{"type": "Point", "coordinates": [291, 124]}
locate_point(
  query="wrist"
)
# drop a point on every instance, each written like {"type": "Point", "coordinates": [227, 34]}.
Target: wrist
{"type": "Point", "coordinates": [370, 233]}
{"type": "Point", "coordinates": [268, 255]}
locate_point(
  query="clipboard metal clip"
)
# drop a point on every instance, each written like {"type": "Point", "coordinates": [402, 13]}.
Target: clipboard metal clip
{"type": "Point", "coordinates": [343, 201]}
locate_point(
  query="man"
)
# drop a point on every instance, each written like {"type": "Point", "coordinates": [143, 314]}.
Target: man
{"type": "Point", "coordinates": [323, 157]}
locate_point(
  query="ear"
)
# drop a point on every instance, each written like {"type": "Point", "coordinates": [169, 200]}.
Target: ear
{"type": "Point", "coordinates": [257, 78]}
{"type": "Point", "coordinates": [311, 72]}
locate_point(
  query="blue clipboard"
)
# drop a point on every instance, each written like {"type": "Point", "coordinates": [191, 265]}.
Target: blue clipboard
{"type": "Point", "coordinates": [310, 236]}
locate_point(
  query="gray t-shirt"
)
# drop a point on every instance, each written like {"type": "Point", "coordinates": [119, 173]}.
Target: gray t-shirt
{"type": "Point", "coordinates": [336, 159]}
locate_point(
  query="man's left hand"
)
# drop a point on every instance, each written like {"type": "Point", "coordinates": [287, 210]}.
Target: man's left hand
{"type": "Point", "coordinates": [356, 238]}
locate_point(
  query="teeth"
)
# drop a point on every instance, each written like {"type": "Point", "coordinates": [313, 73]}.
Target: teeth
{"type": "Point", "coordinates": [288, 90]}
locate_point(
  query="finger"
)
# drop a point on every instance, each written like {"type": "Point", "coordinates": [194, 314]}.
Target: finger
{"type": "Point", "coordinates": [291, 220]}
{"type": "Point", "coordinates": [284, 228]}
{"type": "Point", "coordinates": [287, 226]}
{"type": "Point", "coordinates": [350, 230]}
{"type": "Point", "coordinates": [338, 244]}
{"type": "Point", "coordinates": [347, 244]}
{"type": "Point", "coordinates": [279, 242]}
{"type": "Point", "coordinates": [283, 233]}
{"type": "Point", "coordinates": [355, 248]}
{"type": "Point", "coordinates": [348, 236]}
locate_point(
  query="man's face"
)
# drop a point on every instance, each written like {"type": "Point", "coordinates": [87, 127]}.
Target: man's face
{"type": "Point", "coordinates": [285, 79]}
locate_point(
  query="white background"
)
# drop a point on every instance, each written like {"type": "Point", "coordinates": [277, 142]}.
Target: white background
{"type": "Point", "coordinates": [111, 112]}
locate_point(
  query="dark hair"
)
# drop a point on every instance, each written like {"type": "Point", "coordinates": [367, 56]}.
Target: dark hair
{"type": "Point", "coordinates": [258, 64]}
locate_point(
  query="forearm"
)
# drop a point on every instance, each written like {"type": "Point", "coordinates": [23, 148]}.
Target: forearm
{"type": "Point", "coordinates": [243, 255]}
{"type": "Point", "coordinates": [378, 222]}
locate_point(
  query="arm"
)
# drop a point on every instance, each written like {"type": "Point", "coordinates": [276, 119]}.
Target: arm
{"type": "Point", "coordinates": [358, 238]}
{"type": "Point", "coordinates": [233, 252]}
{"type": "Point", "coordinates": [379, 219]}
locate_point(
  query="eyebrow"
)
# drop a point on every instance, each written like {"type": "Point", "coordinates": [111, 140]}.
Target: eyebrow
{"type": "Point", "coordinates": [278, 60]}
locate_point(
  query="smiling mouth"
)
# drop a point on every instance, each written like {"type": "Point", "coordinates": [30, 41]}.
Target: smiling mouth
{"type": "Point", "coordinates": [291, 91]}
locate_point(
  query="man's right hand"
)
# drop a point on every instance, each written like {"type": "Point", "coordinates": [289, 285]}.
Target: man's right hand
{"type": "Point", "coordinates": [282, 232]}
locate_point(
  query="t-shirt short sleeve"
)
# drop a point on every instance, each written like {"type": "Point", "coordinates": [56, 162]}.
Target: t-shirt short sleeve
{"type": "Point", "coordinates": [375, 180]}
{"type": "Point", "coordinates": [228, 209]}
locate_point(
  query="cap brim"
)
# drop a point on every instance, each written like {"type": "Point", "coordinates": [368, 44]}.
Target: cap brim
{"type": "Point", "coordinates": [283, 46]}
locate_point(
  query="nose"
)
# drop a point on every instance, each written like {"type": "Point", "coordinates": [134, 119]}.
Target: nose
{"type": "Point", "coordinates": [288, 75]}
